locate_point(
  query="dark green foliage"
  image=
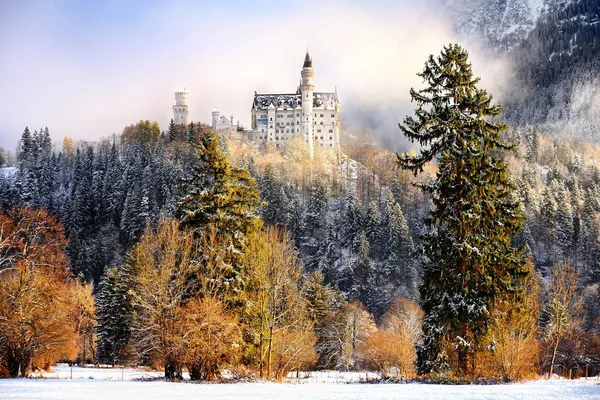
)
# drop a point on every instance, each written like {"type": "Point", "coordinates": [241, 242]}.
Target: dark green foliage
{"type": "Point", "coordinates": [469, 262]}
{"type": "Point", "coordinates": [313, 243]}
{"type": "Point", "coordinates": [219, 194]}
{"type": "Point", "coordinates": [114, 314]}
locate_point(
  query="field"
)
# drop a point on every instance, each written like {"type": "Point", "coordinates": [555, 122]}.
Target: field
{"type": "Point", "coordinates": [106, 384]}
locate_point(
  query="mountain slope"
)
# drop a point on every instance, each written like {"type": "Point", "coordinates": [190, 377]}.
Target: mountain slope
{"type": "Point", "coordinates": [502, 24]}
{"type": "Point", "coordinates": [556, 70]}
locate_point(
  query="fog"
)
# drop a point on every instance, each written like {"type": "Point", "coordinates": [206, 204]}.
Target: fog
{"type": "Point", "coordinates": [87, 73]}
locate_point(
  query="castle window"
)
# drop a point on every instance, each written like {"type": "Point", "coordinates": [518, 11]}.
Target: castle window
{"type": "Point", "coordinates": [297, 122]}
{"type": "Point", "coordinates": [330, 145]}
{"type": "Point", "coordinates": [297, 115]}
{"type": "Point", "coordinates": [271, 126]}
{"type": "Point", "coordinates": [321, 115]}
{"type": "Point", "coordinates": [287, 123]}
{"type": "Point", "coordinates": [321, 138]}
{"type": "Point", "coordinates": [321, 122]}
{"type": "Point", "coordinates": [287, 131]}
{"type": "Point", "coordinates": [330, 138]}
{"type": "Point", "coordinates": [319, 131]}
{"type": "Point", "coordinates": [297, 130]}
{"type": "Point", "coordinates": [332, 115]}
{"type": "Point", "coordinates": [315, 115]}
{"type": "Point", "coordinates": [331, 131]}
{"type": "Point", "coordinates": [333, 123]}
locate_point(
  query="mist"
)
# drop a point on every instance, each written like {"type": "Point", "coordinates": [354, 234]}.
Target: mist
{"type": "Point", "coordinates": [88, 79]}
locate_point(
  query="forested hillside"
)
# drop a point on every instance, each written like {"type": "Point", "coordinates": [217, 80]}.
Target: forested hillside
{"type": "Point", "coordinates": [356, 224]}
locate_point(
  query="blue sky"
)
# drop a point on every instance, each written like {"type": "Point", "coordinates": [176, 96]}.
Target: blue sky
{"type": "Point", "coordinates": [88, 68]}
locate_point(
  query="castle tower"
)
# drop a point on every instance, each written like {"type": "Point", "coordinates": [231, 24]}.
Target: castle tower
{"type": "Point", "coordinates": [215, 118]}
{"type": "Point", "coordinates": [181, 111]}
{"type": "Point", "coordinates": [307, 89]}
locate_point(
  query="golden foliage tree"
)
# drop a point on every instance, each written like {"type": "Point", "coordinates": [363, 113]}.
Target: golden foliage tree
{"type": "Point", "coordinates": [211, 338]}
{"type": "Point", "coordinates": [84, 321]}
{"type": "Point", "coordinates": [36, 293]}
{"type": "Point", "coordinates": [160, 266]}
{"type": "Point", "coordinates": [512, 339]}
{"type": "Point", "coordinates": [278, 312]}
{"type": "Point", "coordinates": [343, 333]}
{"type": "Point", "coordinates": [178, 319]}
{"type": "Point", "coordinates": [146, 132]}
{"type": "Point", "coordinates": [563, 308]}
{"type": "Point", "coordinates": [391, 350]}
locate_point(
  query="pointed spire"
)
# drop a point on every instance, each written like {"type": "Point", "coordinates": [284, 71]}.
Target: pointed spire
{"type": "Point", "coordinates": [307, 61]}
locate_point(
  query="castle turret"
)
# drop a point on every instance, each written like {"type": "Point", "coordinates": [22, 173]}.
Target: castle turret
{"type": "Point", "coordinates": [307, 89]}
{"type": "Point", "coordinates": [181, 111]}
{"type": "Point", "coordinates": [215, 118]}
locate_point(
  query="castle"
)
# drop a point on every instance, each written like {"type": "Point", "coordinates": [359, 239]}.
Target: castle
{"type": "Point", "coordinates": [277, 118]}
{"type": "Point", "coordinates": [314, 116]}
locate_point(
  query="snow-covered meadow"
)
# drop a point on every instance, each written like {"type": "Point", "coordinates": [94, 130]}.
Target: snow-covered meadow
{"type": "Point", "coordinates": [113, 384]}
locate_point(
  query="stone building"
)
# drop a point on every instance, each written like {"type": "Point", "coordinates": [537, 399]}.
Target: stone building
{"type": "Point", "coordinates": [221, 122]}
{"type": "Point", "coordinates": [314, 116]}
{"type": "Point", "coordinates": [181, 110]}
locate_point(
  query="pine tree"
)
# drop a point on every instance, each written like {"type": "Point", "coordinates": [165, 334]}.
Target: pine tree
{"type": "Point", "coordinates": [351, 221]}
{"type": "Point", "coordinates": [363, 286]}
{"type": "Point", "coordinates": [373, 229]}
{"type": "Point", "coordinates": [314, 226]}
{"type": "Point", "coordinates": [114, 315]}
{"type": "Point", "coordinates": [219, 194]}
{"type": "Point", "coordinates": [469, 259]}
{"type": "Point", "coordinates": [400, 250]}
{"type": "Point", "coordinates": [271, 195]}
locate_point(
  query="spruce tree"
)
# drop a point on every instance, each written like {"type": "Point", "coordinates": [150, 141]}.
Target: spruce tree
{"type": "Point", "coordinates": [220, 194]}
{"type": "Point", "coordinates": [114, 314]}
{"type": "Point", "coordinates": [315, 226]}
{"type": "Point", "coordinates": [469, 261]}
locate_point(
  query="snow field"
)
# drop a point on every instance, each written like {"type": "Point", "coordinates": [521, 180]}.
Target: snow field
{"type": "Point", "coordinates": [106, 384]}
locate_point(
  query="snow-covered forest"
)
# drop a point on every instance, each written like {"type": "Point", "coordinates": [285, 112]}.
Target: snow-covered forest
{"type": "Point", "coordinates": [356, 240]}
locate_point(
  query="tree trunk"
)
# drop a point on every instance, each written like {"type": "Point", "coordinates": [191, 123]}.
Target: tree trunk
{"type": "Point", "coordinates": [553, 358]}
{"type": "Point", "coordinates": [270, 351]}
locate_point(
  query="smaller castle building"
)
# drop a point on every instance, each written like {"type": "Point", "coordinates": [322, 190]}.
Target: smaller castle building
{"type": "Point", "coordinates": [222, 123]}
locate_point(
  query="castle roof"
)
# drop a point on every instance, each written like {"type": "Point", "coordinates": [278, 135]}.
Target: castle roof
{"type": "Point", "coordinates": [307, 61]}
{"type": "Point", "coordinates": [290, 101]}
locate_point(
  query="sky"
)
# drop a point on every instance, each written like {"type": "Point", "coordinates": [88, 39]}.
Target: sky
{"type": "Point", "coordinates": [87, 69]}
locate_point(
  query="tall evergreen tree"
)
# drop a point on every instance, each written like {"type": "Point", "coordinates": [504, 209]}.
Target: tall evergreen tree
{"type": "Point", "coordinates": [314, 226]}
{"type": "Point", "coordinates": [469, 262]}
{"type": "Point", "coordinates": [114, 313]}
{"type": "Point", "coordinates": [220, 194]}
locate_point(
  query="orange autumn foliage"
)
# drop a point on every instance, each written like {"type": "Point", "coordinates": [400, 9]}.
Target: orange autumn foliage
{"type": "Point", "coordinates": [36, 292]}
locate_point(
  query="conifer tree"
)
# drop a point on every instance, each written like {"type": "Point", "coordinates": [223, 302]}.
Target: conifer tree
{"type": "Point", "coordinates": [469, 259]}
{"type": "Point", "coordinates": [352, 221]}
{"type": "Point", "coordinates": [114, 314]}
{"type": "Point", "coordinates": [314, 227]}
{"type": "Point", "coordinates": [219, 194]}
{"type": "Point", "coordinates": [271, 195]}
{"type": "Point", "coordinates": [400, 250]}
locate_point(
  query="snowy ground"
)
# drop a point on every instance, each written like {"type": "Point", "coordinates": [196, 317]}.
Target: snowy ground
{"type": "Point", "coordinates": [106, 384]}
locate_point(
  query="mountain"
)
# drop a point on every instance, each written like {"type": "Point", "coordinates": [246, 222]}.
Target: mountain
{"type": "Point", "coordinates": [552, 48]}
{"type": "Point", "coordinates": [501, 24]}
{"type": "Point", "coordinates": [556, 81]}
